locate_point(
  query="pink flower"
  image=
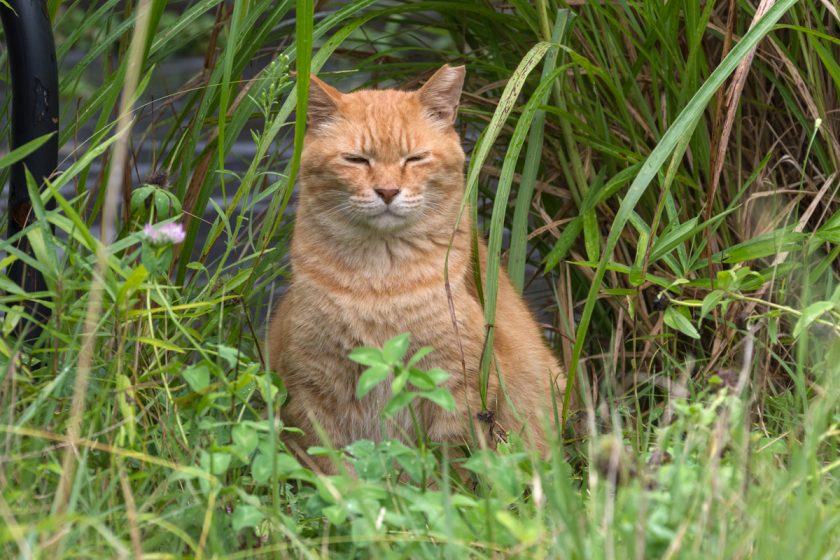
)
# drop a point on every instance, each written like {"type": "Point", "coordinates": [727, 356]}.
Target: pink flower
{"type": "Point", "coordinates": [164, 234]}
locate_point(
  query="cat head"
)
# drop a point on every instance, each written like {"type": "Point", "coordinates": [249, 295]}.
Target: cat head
{"type": "Point", "coordinates": [384, 160]}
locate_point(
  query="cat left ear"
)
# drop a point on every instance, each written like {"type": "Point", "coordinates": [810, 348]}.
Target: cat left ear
{"type": "Point", "coordinates": [442, 93]}
{"type": "Point", "coordinates": [323, 102]}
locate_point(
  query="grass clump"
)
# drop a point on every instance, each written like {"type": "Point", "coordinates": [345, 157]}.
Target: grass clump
{"type": "Point", "coordinates": [659, 178]}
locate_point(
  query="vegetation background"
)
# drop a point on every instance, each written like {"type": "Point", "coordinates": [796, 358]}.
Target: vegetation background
{"type": "Point", "coordinates": [659, 177]}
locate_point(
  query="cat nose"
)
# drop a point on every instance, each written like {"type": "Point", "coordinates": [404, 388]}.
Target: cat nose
{"type": "Point", "coordinates": [387, 194]}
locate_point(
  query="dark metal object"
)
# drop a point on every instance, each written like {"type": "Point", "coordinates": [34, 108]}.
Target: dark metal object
{"type": "Point", "coordinates": [34, 71]}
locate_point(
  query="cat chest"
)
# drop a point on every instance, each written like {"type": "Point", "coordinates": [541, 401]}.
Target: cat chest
{"type": "Point", "coordinates": [370, 319]}
{"type": "Point", "coordinates": [377, 315]}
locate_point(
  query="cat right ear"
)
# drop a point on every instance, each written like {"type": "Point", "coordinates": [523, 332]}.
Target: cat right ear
{"type": "Point", "coordinates": [323, 103]}
{"type": "Point", "coordinates": [441, 95]}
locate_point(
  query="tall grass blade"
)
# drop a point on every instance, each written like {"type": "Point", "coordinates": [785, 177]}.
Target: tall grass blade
{"type": "Point", "coordinates": [519, 227]}
{"type": "Point", "coordinates": [682, 126]}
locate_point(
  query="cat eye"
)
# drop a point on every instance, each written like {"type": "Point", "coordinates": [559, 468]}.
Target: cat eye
{"type": "Point", "coordinates": [416, 158]}
{"type": "Point", "coordinates": [355, 159]}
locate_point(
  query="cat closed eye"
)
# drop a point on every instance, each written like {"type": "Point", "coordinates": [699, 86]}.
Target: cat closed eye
{"type": "Point", "coordinates": [355, 159]}
{"type": "Point", "coordinates": [417, 158]}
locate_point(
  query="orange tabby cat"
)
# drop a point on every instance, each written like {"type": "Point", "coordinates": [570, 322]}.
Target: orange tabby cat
{"type": "Point", "coordinates": [380, 188]}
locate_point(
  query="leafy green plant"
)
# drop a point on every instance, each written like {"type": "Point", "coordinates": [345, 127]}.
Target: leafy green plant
{"type": "Point", "coordinates": [408, 382]}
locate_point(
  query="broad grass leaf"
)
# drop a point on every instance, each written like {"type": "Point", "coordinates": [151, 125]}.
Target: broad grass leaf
{"type": "Point", "coordinates": [592, 235]}
{"type": "Point", "coordinates": [11, 287]}
{"type": "Point", "coordinates": [125, 400]}
{"type": "Point", "coordinates": [711, 301]}
{"type": "Point", "coordinates": [134, 281]}
{"type": "Point", "coordinates": [678, 321]}
{"type": "Point", "coordinates": [304, 30]}
{"type": "Point", "coordinates": [835, 297]}
{"type": "Point", "coordinates": [500, 202]}
{"type": "Point", "coordinates": [21, 152]}
{"type": "Point", "coordinates": [637, 276]}
{"type": "Point", "coordinates": [680, 234]}
{"type": "Point", "coordinates": [767, 245]}
{"type": "Point", "coordinates": [10, 321]}
{"type": "Point", "coordinates": [811, 314]}
{"type": "Point", "coordinates": [593, 197]}
{"type": "Point", "coordinates": [533, 155]}
{"type": "Point", "coordinates": [830, 234]}
{"type": "Point", "coordinates": [158, 343]}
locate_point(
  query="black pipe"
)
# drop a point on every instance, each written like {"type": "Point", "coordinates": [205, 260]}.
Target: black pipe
{"type": "Point", "coordinates": [34, 71]}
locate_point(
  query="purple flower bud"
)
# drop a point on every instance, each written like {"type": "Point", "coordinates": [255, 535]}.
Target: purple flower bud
{"type": "Point", "coordinates": [164, 234]}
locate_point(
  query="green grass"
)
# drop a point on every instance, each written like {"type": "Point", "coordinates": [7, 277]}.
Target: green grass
{"type": "Point", "coordinates": [693, 296]}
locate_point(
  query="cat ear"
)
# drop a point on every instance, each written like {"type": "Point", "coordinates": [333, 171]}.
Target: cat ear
{"type": "Point", "coordinates": [442, 93]}
{"type": "Point", "coordinates": [323, 102]}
